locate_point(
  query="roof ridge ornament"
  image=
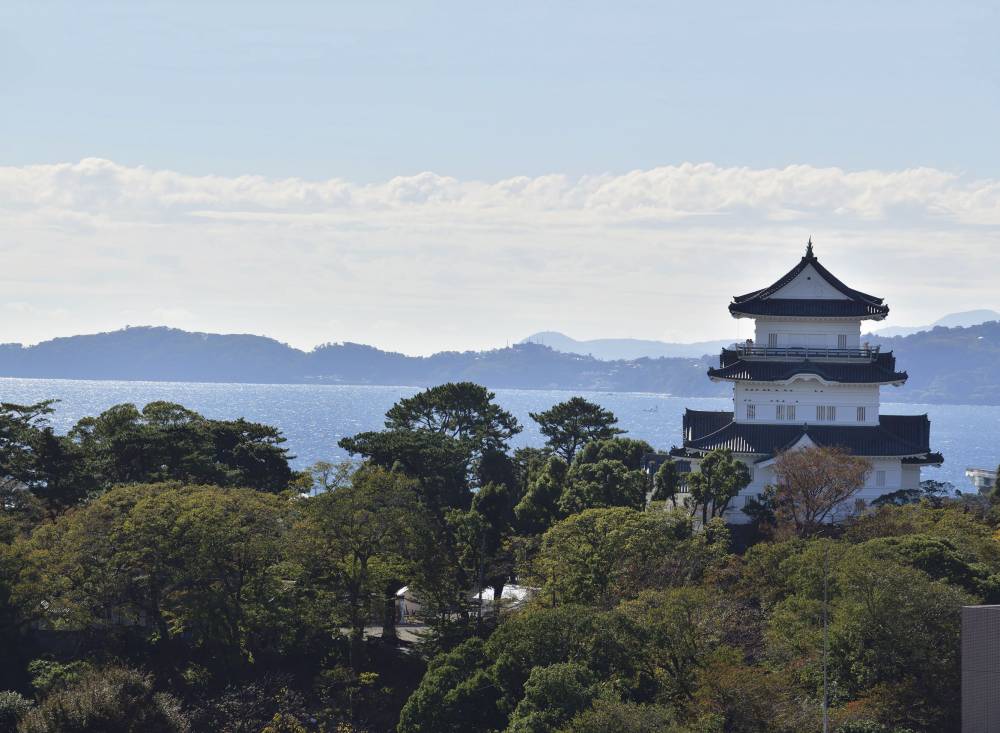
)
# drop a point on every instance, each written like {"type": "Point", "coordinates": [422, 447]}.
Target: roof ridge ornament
{"type": "Point", "coordinates": [809, 248]}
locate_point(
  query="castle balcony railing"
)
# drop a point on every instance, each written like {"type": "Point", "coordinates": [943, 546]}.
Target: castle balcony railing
{"type": "Point", "coordinates": [815, 353]}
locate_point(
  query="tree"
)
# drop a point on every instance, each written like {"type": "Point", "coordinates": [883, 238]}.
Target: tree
{"type": "Point", "coordinates": [539, 508]}
{"type": "Point", "coordinates": [167, 442]}
{"type": "Point", "coordinates": [613, 716]}
{"type": "Point", "coordinates": [325, 476]}
{"type": "Point", "coordinates": [454, 696]}
{"type": "Point", "coordinates": [439, 463]}
{"type": "Point", "coordinates": [34, 459]}
{"type": "Point", "coordinates": [590, 557]}
{"type": "Point", "coordinates": [930, 490]}
{"type": "Point", "coordinates": [351, 539]}
{"type": "Point", "coordinates": [813, 484]}
{"type": "Point", "coordinates": [193, 564]}
{"type": "Point", "coordinates": [571, 424]}
{"type": "Point", "coordinates": [462, 411]}
{"type": "Point", "coordinates": [681, 628]}
{"type": "Point", "coordinates": [552, 695]}
{"type": "Point", "coordinates": [602, 484]}
{"type": "Point", "coordinates": [666, 483]}
{"type": "Point", "coordinates": [720, 477]}
{"type": "Point", "coordinates": [627, 451]}
{"type": "Point", "coordinates": [111, 700]}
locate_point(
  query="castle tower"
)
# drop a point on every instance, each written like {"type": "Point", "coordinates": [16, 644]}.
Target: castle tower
{"type": "Point", "coordinates": [806, 379]}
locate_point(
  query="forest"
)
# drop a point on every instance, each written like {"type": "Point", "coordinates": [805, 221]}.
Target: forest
{"type": "Point", "coordinates": [165, 572]}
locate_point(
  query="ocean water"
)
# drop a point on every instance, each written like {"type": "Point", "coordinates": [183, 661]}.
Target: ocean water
{"type": "Point", "coordinates": [314, 417]}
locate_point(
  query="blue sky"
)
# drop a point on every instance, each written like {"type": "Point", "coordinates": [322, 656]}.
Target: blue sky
{"type": "Point", "coordinates": [370, 90]}
{"type": "Point", "coordinates": [203, 97]}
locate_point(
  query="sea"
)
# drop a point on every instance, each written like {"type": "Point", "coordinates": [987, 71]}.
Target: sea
{"type": "Point", "coordinates": [314, 417]}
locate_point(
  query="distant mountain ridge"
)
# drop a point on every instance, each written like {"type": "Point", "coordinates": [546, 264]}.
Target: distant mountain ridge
{"type": "Point", "coordinates": [148, 353]}
{"type": "Point", "coordinates": [952, 320]}
{"type": "Point", "coordinates": [956, 365]}
{"type": "Point", "coordinates": [612, 349]}
{"type": "Point", "coordinates": [627, 348]}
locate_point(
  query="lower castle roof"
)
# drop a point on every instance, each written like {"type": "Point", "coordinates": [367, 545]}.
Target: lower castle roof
{"type": "Point", "coordinates": [895, 435]}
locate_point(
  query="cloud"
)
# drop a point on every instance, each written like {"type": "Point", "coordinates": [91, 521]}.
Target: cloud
{"type": "Point", "coordinates": [101, 190]}
{"type": "Point", "coordinates": [429, 261]}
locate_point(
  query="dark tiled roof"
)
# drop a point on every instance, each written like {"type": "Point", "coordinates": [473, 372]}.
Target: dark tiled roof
{"type": "Point", "coordinates": [856, 304]}
{"type": "Point", "coordinates": [809, 308]}
{"type": "Point", "coordinates": [895, 435]}
{"type": "Point", "coordinates": [880, 371]}
{"type": "Point", "coordinates": [698, 423]}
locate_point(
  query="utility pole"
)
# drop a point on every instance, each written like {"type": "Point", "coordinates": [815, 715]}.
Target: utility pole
{"type": "Point", "coordinates": [826, 643]}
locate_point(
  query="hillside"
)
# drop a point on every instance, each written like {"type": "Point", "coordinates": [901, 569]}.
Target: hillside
{"type": "Point", "coordinates": [613, 349]}
{"type": "Point", "coordinates": [955, 365]}
{"type": "Point", "coordinates": [164, 354]}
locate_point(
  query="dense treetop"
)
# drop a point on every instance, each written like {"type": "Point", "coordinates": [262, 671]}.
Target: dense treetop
{"type": "Point", "coordinates": [160, 571]}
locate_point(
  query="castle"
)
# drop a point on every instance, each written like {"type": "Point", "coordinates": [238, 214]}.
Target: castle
{"type": "Point", "coordinates": [805, 379]}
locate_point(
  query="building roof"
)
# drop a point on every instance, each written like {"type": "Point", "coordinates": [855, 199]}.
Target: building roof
{"type": "Point", "coordinates": [854, 304]}
{"type": "Point", "coordinates": [895, 435]}
{"type": "Point", "coordinates": [880, 370]}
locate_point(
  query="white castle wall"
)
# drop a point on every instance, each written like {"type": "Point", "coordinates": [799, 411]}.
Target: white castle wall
{"type": "Point", "coordinates": [806, 395]}
{"type": "Point", "coordinates": [824, 334]}
{"type": "Point", "coordinates": [809, 285]}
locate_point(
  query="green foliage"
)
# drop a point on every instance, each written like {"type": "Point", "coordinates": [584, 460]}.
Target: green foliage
{"type": "Point", "coordinates": [352, 544]}
{"type": "Point", "coordinates": [539, 508]}
{"type": "Point", "coordinates": [13, 707]}
{"type": "Point", "coordinates": [195, 562]}
{"type": "Point", "coordinates": [681, 628]}
{"type": "Point", "coordinates": [604, 483]}
{"type": "Point", "coordinates": [720, 477]}
{"type": "Point", "coordinates": [666, 483]}
{"type": "Point", "coordinates": [462, 411]}
{"type": "Point", "coordinates": [595, 556]}
{"type": "Point", "coordinates": [34, 457]}
{"type": "Point", "coordinates": [625, 450]}
{"type": "Point", "coordinates": [569, 425]}
{"type": "Point", "coordinates": [869, 726]}
{"type": "Point", "coordinates": [111, 700]}
{"type": "Point", "coordinates": [167, 442]}
{"type": "Point", "coordinates": [249, 706]}
{"type": "Point", "coordinates": [439, 463]}
{"type": "Point", "coordinates": [613, 716]}
{"type": "Point", "coordinates": [454, 696]}
{"type": "Point", "coordinates": [552, 695]}
{"type": "Point", "coordinates": [48, 675]}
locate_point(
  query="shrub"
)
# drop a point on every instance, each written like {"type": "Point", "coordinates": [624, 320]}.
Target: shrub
{"type": "Point", "coordinates": [112, 700]}
{"type": "Point", "coordinates": [13, 706]}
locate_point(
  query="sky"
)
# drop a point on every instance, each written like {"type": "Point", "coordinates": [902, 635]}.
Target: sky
{"type": "Point", "coordinates": [428, 176]}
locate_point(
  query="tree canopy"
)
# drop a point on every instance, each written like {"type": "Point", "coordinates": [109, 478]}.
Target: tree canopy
{"type": "Point", "coordinates": [570, 425]}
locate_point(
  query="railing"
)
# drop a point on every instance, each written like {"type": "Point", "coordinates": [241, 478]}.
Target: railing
{"type": "Point", "coordinates": [745, 351]}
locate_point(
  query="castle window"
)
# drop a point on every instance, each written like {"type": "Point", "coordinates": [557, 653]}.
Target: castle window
{"type": "Point", "coordinates": [785, 412]}
{"type": "Point", "coordinates": [772, 340]}
{"type": "Point", "coordinates": [751, 411]}
{"type": "Point", "coordinates": [880, 479]}
{"type": "Point", "coordinates": [861, 414]}
{"type": "Point", "coordinates": [842, 341]}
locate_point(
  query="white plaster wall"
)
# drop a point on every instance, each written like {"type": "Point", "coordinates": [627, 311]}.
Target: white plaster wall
{"type": "Point", "coordinates": [806, 394]}
{"type": "Point", "coordinates": [807, 333]}
{"type": "Point", "coordinates": [808, 284]}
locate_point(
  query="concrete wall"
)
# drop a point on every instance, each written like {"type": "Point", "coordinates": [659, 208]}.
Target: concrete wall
{"type": "Point", "coordinates": [981, 669]}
